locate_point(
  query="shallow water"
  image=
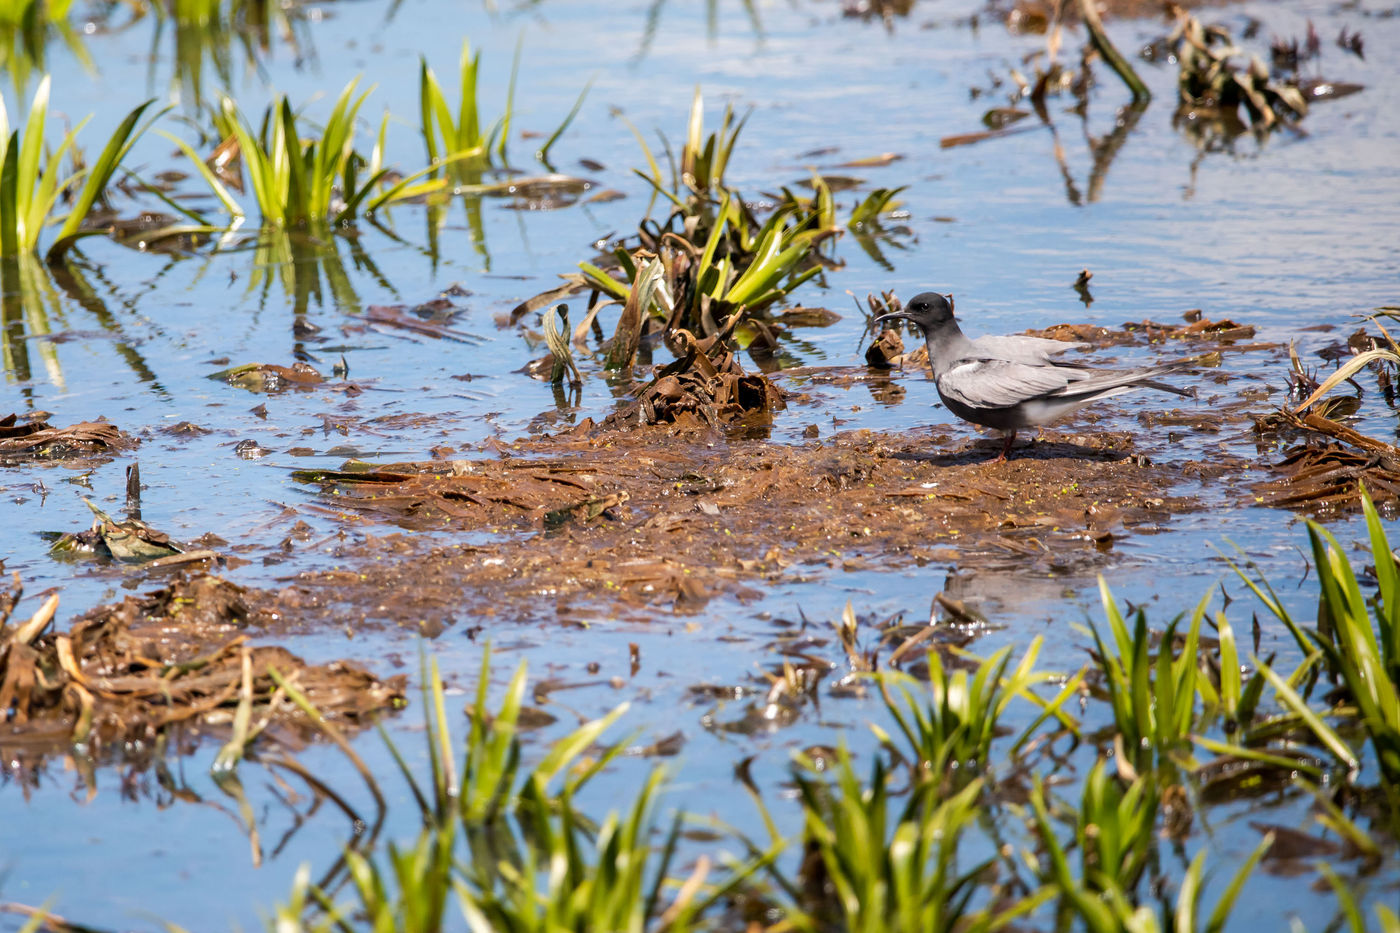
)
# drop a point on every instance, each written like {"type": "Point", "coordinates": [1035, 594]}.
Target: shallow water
{"type": "Point", "coordinates": [1298, 231]}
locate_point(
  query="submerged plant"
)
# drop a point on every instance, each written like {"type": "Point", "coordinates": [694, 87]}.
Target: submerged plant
{"type": "Point", "coordinates": [32, 187]}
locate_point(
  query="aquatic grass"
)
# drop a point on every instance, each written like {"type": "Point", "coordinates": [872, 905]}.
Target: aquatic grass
{"type": "Point", "coordinates": [1359, 646]}
{"type": "Point", "coordinates": [461, 138]}
{"type": "Point", "coordinates": [880, 201]}
{"type": "Point", "coordinates": [1234, 695]}
{"type": "Point", "coordinates": [881, 869]}
{"type": "Point", "coordinates": [26, 27]}
{"type": "Point", "coordinates": [313, 183]}
{"type": "Point", "coordinates": [556, 330]}
{"type": "Point", "coordinates": [503, 850]}
{"type": "Point", "coordinates": [1153, 699]}
{"type": "Point", "coordinates": [1115, 829]}
{"type": "Point", "coordinates": [461, 135]}
{"type": "Point", "coordinates": [1100, 901]}
{"type": "Point", "coordinates": [1387, 921]}
{"type": "Point", "coordinates": [742, 265]}
{"type": "Point", "coordinates": [721, 262]}
{"type": "Point", "coordinates": [704, 159]}
{"type": "Point", "coordinates": [949, 732]}
{"type": "Point", "coordinates": [31, 187]}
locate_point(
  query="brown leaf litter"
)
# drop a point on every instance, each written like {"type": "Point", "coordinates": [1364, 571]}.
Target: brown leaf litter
{"type": "Point", "coordinates": [1328, 470]}
{"type": "Point", "coordinates": [37, 439]}
{"type": "Point", "coordinates": [129, 670]}
{"type": "Point", "coordinates": [656, 517]}
{"type": "Point", "coordinates": [1196, 330]}
{"type": "Point", "coordinates": [704, 388]}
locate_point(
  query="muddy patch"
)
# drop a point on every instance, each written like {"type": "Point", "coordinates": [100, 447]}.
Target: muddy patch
{"type": "Point", "coordinates": [609, 523]}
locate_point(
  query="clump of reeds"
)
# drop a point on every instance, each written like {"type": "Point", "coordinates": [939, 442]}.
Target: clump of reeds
{"type": "Point", "coordinates": [711, 257]}
{"type": "Point", "coordinates": [33, 188]}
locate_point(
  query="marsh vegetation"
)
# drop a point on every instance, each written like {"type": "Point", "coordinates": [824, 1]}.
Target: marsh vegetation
{"type": "Point", "coordinates": [477, 499]}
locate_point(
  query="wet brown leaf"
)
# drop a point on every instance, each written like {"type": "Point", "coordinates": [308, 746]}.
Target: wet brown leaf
{"type": "Point", "coordinates": [270, 377]}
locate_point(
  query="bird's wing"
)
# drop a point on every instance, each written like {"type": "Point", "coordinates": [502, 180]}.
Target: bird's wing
{"type": "Point", "coordinates": [1021, 349]}
{"type": "Point", "coordinates": [996, 383]}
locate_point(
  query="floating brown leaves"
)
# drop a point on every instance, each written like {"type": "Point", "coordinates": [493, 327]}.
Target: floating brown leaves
{"type": "Point", "coordinates": [1327, 474]}
{"type": "Point", "coordinates": [270, 377]}
{"type": "Point", "coordinates": [1196, 329]}
{"type": "Point", "coordinates": [129, 669]}
{"type": "Point", "coordinates": [39, 440]}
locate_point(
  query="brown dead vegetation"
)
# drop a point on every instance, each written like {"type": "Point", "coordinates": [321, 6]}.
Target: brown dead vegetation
{"type": "Point", "coordinates": [36, 439]}
{"type": "Point", "coordinates": [705, 388]}
{"type": "Point", "coordinates": [129, 670]}
{"type": "Point", "coordinates": [1328, 470]}
{"type": "Point", "coordinates": [662, 517]}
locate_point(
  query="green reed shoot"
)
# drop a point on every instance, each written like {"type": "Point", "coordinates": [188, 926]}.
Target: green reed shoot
{"type": "Point", "coordinates": [507, 852]}
{"type": "Point", "coordinates": [887, 870]}
{"type": "Point", "coordinates": [1102, 903]}
{"type": "Point", "coordinates": [1116, 829]}
{"type": "Point", "coordinates": [879, 201]}
{"type": "Point", "coordinates": [312, 182]}
{"type": "Point", "coordinates": [953, 727]}
{"type": "Point", "coordinates": [1387, 921]}
{"type": "Point", "coordinates": [704, 159]}
{"type": "Point", "coordinates": [1153, 699]}
{"type": "Point", "coordinates": [1359, 647]}
{"type": "Point", "coordinates": [1236, 696]}
{"type": "Point", "coordinates": [461, 135]}
{"type": "Point", "coordinates": [31, 186]}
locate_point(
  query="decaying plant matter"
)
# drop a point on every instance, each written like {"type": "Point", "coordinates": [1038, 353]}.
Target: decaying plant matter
{"type": "Point", "coordinates": [704, 388]}
{"type": "Point", "coordinates": [1213, 87]}
{"type": "Point", "coordinates": [1333, 462]}
{"type": "Point", "coordinates": [37, 439]}
{"type": "Point", "coordinates": [174, 655]}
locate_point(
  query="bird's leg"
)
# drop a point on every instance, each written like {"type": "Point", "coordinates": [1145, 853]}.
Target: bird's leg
{"type": "Point", "coordinates": [1006, 447]}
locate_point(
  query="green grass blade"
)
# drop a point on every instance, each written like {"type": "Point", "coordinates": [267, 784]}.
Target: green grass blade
{"type": "Point", "coordinates": [1324, 733]}
{"type": "Point", "coordinates": [1226, 903]}
{"type": "Point", "coordinates": [215, 185]}
{"type": "Point", "coordinates": [9, 182]}
{"type": "Point", "coordinates": [116, 149]}
{"type": "Point", "coordinates": [543, 154]}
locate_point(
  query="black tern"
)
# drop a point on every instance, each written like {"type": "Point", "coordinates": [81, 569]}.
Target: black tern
{"type": "Point", "coordinates": [1010, 383]}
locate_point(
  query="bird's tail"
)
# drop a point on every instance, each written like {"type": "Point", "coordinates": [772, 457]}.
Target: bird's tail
{"type": "Point", "coordinates": [1164, 387]}
{"type": "Point", "coordinates": [1148, 378]}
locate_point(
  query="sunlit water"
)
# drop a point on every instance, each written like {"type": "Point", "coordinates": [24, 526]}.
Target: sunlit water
{"type": "Point", "coordinates": [1299, 231]}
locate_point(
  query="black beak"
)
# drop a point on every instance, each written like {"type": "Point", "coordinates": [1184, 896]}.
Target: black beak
{"type": "Point", "coordinates": [894, 316]}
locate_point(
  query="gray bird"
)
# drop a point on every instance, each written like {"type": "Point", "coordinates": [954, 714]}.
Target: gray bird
{"type": "Point", "coordinates": [1010, 383]}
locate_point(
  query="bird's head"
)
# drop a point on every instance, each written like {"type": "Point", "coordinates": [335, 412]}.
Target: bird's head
{"type": "Point", "coordinates": [928, 311]}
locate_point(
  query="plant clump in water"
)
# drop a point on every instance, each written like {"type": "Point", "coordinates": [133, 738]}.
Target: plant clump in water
{"type": "Point", "coordinates": [175, 655]}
